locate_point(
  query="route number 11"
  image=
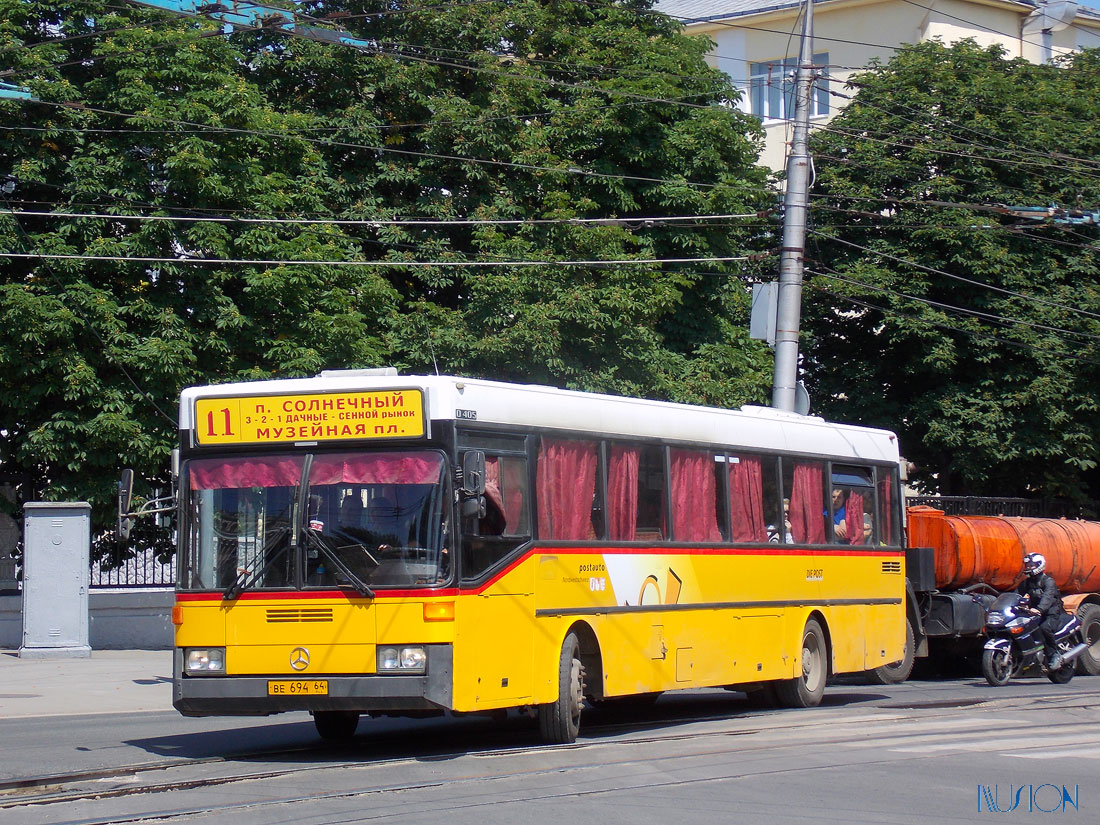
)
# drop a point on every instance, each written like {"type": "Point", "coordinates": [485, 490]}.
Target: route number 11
{"type": "Point", "coordinates": [228, 428]}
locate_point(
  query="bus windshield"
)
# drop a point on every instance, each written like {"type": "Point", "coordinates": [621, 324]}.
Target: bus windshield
{"type": "Point", "coordinates": [355, 520]}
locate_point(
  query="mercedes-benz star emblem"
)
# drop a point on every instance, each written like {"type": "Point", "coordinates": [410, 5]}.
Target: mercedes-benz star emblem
{"type": "Point", "coordinates": [299, 658]}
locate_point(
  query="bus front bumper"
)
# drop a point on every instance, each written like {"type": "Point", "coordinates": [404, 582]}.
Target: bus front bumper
{"type": "Point", "coordinates": [252, 695]}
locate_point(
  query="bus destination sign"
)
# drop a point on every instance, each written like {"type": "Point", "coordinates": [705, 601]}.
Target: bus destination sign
{"type": "Point", "coordinates": [330, 416]}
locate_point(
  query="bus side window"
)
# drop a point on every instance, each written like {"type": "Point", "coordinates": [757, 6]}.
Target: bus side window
{"type": "Point", "coordinates": [694, 500]}
{"type": "Point", "coordinates": [652, 516]}
{"type": "Point", "coordinates": [852, 499]}
{"type": "Point", "coordinates": [507, 520]}
{"type": "Point", "coordinates": [888, 520]}
{"type": "Point", "coordinates": [566, 479]}
{"type": "Point", "coordinates": [804, 484]}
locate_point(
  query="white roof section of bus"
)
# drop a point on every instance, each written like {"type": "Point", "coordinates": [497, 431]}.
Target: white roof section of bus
{"type": "Point", "coordinates": [532, 406]}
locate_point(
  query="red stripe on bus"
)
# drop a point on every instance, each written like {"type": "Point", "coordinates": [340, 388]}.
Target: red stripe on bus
{"type": "Point", "coordinates": [385, 595]}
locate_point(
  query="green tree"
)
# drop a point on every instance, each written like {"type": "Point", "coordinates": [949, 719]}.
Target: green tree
{"type": "Point", "coordinates": [521, 110]}
{"type": "Point", "coordinates": [970, 332]}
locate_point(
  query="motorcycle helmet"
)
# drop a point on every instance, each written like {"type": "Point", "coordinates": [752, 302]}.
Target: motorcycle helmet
{"type": "Point", "coordinates": [1034, 564]}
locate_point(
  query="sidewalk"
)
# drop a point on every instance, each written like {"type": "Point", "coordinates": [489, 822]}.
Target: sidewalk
{"type": "Point", "coordinates": [111, 681]}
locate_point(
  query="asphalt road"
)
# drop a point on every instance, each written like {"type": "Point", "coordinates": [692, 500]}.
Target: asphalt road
{"type": "Point", "coordinates": [922, 752]}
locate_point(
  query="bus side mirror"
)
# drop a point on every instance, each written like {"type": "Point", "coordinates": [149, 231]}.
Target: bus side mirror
{"type": "Point", "coordinates": [125, 498]}
{"type": "Point", "coordinates": [473, 484]}
{"type": "Point", "coordinates": [473, 473]}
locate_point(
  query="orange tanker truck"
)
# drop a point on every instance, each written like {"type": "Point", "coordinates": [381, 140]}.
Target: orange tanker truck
{"type": "Point", "coordinates": [957, 563]}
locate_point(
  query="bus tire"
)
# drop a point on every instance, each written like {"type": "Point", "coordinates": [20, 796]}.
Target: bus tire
{"type": "Point", "coordinates": [897, 672]}
{"type": "Point", "coordinates": [805, 691]}
{"type": "Point", "coordinates": [1088, 663]}
{"type": "Point", "coordinates": [336, 725]}
{"type": "Point", "coordinates": [560, 721]}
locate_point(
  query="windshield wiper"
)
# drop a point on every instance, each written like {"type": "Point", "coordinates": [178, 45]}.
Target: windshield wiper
{"type": "Point", "coordinates": [322, 548]}
{"type": "Point", "coordinates": [245, 580]}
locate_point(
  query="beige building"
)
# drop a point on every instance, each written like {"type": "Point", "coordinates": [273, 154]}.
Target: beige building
{"type": "Point", "coordinates": [757, 44]}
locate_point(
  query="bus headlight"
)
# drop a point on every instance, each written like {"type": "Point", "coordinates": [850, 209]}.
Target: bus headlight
{"type": "Point", "coordinates": [410, 659]}
{"type": "Point", "coordinates": [204, 659]}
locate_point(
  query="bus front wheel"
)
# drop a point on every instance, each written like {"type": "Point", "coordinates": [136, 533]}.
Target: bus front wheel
{"type": "Point", "coordinates": [805, 691]}
{"type": "Point", "coordinates": [560, 721]}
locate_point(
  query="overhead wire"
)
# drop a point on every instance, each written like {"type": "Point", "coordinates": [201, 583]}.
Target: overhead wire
{"type": "Point", "coordinates": [969, 281]}
{"type": "Point", "coordinates": [1008, 146]}
{"type": "Point", "coordinates": [834, 274]}
{"type": "Point", "coordinates": [401, 51]}
{"type": "Point", "coordinates": [391, 221]}
{"type": "Point", "coordinates": [145, 394]}
{"type": "Point", "coordinates": [392, 264]}
{"type": "Point", "coordinates": [389, 149]}
{"type": "Point", "coordinates": [860, 134]}
{"type": "Point", "coordinates": [972, 333]}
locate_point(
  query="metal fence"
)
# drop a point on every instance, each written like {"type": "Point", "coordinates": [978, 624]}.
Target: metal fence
{"type": "Point", "coordinates": [990, 506]}
{"type": "Point", "coordinates": [143, 570]}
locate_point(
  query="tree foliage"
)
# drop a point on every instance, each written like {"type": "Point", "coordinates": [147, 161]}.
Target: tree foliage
{"type": "Point", "coordinates": [506, 110]}
{"type": "Point", "coordinates": [971, 332]}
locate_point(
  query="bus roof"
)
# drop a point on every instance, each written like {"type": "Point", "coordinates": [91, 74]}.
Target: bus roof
{"type": "Point", "coordinates": [535, 407]}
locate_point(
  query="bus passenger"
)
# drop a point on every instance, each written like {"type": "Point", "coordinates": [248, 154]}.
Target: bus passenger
{"type": "Point", "coordinates": [786, 537]}
{"type": "Point", "coordinates": [840, 513]}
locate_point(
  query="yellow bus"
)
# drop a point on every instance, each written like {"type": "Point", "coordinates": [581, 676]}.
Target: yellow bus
{"type": "Point", "coordinates": [364, 542]}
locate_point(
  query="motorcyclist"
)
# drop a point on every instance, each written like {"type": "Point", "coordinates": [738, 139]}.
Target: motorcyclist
{"type": "Point", "coordinates": [1044, 600]}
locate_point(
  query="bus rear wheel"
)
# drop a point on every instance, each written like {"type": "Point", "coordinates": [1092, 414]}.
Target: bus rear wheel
{"type": "Point", "coordinates": [805, 691]}
{"type": "Point", "coordinates": [336, 725]}
{"type": "Point", "coordinates": [560, 721]}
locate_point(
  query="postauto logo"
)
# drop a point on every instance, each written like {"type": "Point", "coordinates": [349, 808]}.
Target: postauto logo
{"type": "Point", "coordinates": [1042, 799]}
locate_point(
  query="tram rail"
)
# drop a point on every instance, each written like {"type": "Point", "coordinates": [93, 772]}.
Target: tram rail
{"type": "Point", "coordinates": [137, 779]}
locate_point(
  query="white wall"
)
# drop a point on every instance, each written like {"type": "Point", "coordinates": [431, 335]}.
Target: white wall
{"type": "Point", "coordinates": [119, 620]}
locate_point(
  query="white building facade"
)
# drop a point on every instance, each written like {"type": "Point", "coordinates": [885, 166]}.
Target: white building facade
{"type": "Point", "coordinates": [757, 44]}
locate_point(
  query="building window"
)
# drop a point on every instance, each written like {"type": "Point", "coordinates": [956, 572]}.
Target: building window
{"type": "Point", "coordinates": [771, 88]}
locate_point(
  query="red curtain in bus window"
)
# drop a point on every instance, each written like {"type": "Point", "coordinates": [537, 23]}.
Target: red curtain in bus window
{"type": "Point", "coordinates": [853, 518]}
{"type": "Point", "coordinates": [807, 504]}
{"type": "Point", "coordinates": [694, 514]}
{"type": "Point", "coordinates": [622, 493]}
{"type": "Point", "coordinates": [747, 500]}
{"type": "Point", "coordinates": [237, 473]}
{"type": "Point", "coordinates": [506, 493]}
{"type": "Point", "coordinates": [566, 478]}
{"type": "Point", "coordinates": [376, 468]}
{"type": "Point", "coordinates": [514, 486]}
{"type": "Point", "coordinates": [494, 498]}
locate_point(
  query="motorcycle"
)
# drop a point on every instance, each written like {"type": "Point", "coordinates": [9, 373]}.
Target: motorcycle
{"type": "Point", "coordinates": [1015, 643]}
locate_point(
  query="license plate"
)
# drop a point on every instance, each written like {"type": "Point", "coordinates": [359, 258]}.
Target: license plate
{"type": "Point", "coordinates": [298, 687]}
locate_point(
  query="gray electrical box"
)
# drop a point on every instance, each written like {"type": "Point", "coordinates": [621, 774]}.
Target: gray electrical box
{"type": "Point", "coordinates": [765, 300]}
{"type": "Point", "coordinates": [56, 572]}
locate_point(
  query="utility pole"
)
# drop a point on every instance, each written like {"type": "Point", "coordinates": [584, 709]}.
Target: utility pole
{"type": "Point", "coordinates": [795, 210]}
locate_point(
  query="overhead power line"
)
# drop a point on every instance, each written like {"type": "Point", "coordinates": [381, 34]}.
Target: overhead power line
{"type": "Point", "coordinates": [571, 170]}
{"type": "Point", "coordinates": [984, 336]}
{"type": "Point", "coordinates": [960, 278]}
{"type": "Point", "coordinates": [90, 326]}
{"type": "Point", "coordinates": [656, 219]}
{"type": "Point", "coordinates": [382, 264]}
{"type": "Point", "coordinates": [834, 275]}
